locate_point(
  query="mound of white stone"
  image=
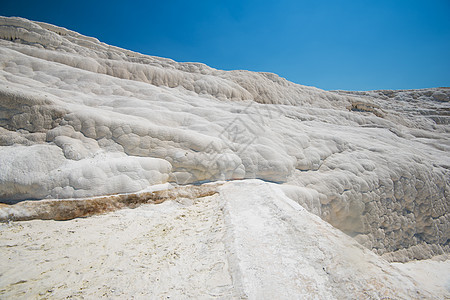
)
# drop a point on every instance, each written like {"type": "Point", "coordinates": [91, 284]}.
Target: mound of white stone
{"type": "Point", "coordinates": [248, 241]}
{"type": "Point", "coordinates": [79, 118]}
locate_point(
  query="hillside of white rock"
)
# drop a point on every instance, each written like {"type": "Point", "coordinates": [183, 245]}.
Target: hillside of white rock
{"type": "Point", "coordinates": [81, 120]}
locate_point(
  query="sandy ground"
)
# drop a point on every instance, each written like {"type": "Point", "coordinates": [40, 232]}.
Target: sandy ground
{"type": "Point", "coordinates": [247, 241]}
{"type": "Point", "coordinates": [171, 250]}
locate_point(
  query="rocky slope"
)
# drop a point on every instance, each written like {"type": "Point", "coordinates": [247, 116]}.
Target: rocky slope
{"type": "Point", "coordinates": [79, 118]}
{"type": "Point", "coordinates": [247, 241]}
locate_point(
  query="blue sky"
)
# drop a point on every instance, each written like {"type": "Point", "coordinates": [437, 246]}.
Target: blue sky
{"type": "Point", "coordinates": [350, 45]}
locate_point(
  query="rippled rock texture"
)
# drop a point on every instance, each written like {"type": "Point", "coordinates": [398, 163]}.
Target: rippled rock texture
{"type": "Point", "coordinates": [79, 118]}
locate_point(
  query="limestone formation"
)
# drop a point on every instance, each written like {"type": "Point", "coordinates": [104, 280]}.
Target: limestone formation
{"type": "Point", "coordinates": [80, 118]}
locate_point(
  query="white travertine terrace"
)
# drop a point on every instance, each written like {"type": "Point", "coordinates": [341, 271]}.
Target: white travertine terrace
{"type": "Point", "coordinates": [79, 118]}
{"type": "Point", "coordinates": [248, 241]}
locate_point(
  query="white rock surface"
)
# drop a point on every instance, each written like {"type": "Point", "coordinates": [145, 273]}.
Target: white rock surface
{"type": "Point", "coordinates": [432, 274]}
{"type": "Point", "coordinates": [80, 118]}
{"type": "Point", "coordinates": [249, 241]}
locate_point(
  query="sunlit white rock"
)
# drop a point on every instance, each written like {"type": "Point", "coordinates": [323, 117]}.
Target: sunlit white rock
{"type": "Point", "coordinates": [81, 118]}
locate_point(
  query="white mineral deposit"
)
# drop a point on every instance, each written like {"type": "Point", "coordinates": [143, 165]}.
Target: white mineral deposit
{"type": "Point", "coordinates": [200, 183]}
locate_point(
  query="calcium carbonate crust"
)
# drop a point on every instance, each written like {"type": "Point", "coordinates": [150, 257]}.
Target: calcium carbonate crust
{"type": "Point", "coordinates": [80, 118]}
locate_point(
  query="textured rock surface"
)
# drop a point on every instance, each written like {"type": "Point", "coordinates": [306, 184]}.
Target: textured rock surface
{"type": "Point", "coordinates": [80, 118]}
{"type": "Point", "coordinates": [249, 241]}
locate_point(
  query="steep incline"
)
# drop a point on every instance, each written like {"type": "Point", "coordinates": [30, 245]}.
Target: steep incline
{"type": "Point", "coordinates": [80, 118]}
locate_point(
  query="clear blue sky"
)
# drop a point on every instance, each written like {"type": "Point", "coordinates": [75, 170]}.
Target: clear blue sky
{"type": "Point", "coordinates": [351, 45]}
